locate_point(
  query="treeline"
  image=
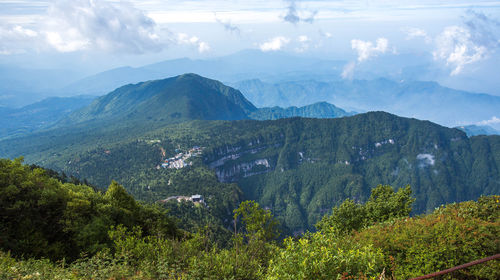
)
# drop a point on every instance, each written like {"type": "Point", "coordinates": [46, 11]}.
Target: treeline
{"type": "Point", "coordinates": [42, 217]}
{"type": "Point", "coordinates": [55, 230]}
{"type": "Point", "coordinates": [314, 164]}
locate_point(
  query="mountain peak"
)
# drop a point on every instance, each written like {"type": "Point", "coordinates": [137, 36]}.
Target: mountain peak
{"type": "Point", "coordinates": [183, 97]}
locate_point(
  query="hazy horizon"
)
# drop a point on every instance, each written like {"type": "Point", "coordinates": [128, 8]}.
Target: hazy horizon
{"type": "Point", "coordinates": [454, 43]}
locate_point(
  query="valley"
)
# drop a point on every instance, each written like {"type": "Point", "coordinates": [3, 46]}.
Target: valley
{"type": "Point", "coordinates": [249, 140]}
{"type": "Point", "coordinates": [296, 167]}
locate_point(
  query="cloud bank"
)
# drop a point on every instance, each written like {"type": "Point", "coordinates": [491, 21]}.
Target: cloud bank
{"type": "Point", "coordinates": [185, 39]}
{"type": "Point", "coordinates": [494, 120]}
{"type": "Point", "coordinates": [274, 44]}
{"type": "Point", "coordinates": [14, 39]}
{"type": "Point", "coordinates": [459, 46]}
{"type": "Point", "coordinates": [93, 25]}
{"type": "Point", "coordinates": [367, 49]}
{"type": "Point", "coordinates": [456, 47]}
{"type": "Point", "coordinates": [99, 25]}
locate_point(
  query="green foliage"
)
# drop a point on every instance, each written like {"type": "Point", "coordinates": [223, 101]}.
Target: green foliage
{"type": "Point", "coordinates": [259, 223]}
{"type": "Point", "coordinates": [325, 256]}
{"type": "Point", "coordinates": [452, 235]}
{"type": "Point", "coordinates": [400, 248]}
{"type": "Point", "coordinates": [345, 218]}
{"type": "Point", "coordinates": [42, 217]}
{"type": "Point", "coordinates": [312, 164]}
{"type": "Point", "coordinates": [316, 110]}
{"type": "Point", "coordinates": [383, 205]}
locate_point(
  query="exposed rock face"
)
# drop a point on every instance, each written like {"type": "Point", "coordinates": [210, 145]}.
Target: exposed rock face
{"type": "Point", "coordinates": [234, 162]}
{"type": "Point", "coordinates": [244, 169]}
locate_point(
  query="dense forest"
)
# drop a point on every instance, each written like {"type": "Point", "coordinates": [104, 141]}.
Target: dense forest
{"type": "Point", "coordinates": [53, 227]}
{"type": "Point", "coordinates": [298, 168]}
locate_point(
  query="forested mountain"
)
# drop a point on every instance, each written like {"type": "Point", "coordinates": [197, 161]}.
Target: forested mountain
{"type": "Point", "coordinates": [39, 115]}
{"type": "Point", "coordinates": [417, 99]}
{"type": "Point", "coordinates": [318, 110]}
{"type": "Point", "coordinates": [52, 229]}
{"type": "Point", "coordinates": [183, 97]}
{"type": "Point", "coordinates": [188, 136]}
{"type": "Point", "coordinates": [299, 168]}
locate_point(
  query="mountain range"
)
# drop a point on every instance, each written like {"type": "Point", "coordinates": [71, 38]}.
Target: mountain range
{"type": "Point", "coordinates": [39, 115]}
{"type": "Point", "coordinates": [418, 99]}
{"type": "Point", "coordinates": [184, 97]}
{"type": "Point", "coordinates": [474, 130]}
{"type": "Point", "coordinates": [297, 167]}
{"type": "Point", "coordinates": [270, 79]}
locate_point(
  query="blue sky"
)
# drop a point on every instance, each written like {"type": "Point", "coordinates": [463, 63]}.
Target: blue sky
{"type": "Point", "coordinates": [462, 37]}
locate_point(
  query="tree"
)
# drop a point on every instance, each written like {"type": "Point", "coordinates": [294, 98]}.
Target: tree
{"type": "Point", "coordinates": [384, 204]}
{"type": "Point", "coordinates": [259, 223]}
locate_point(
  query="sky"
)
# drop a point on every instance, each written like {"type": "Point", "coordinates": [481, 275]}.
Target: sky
{"type": "Point", "coordinates": [460, 37]}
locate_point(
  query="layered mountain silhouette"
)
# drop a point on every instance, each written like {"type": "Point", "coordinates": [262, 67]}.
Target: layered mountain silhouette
{"type": "Point", "coordinates": [418, 99]}
{"type": "Point", "coordinates": [187, 97]}
{"type": "Point", "coordinates": [297, 167]}
{"type": "Point", "coordinates": [156, 102]}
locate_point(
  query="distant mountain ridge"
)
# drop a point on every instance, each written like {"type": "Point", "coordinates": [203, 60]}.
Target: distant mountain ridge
{"type": "Point", "coordinates": [474, 130]}
{"type": "Point", "coordinates": [157, 102]}
{"type": "Point", "coordinates": [238, 66]}
{"type": "Point", "coordinates": [39, 115]}
{"type": "Point", "coordinates": [422, 100]}
{"type": "Point", "coordinates": [320, 110]}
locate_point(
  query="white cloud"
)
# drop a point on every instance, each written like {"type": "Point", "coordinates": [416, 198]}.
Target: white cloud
{"type": "Point", "coordinates": [274, 44]}
{"type": "Point", "coordinates": [303, 41]}
{"type": "Point", "coordinates": [348, 71]}
{"type": "Point", "coordinates": [367, 49]}
{"type": "Point", "coordinates": [455, 46]}
{"type": "Point", "coordinates": [16, 39]}
{"type": "Point", "coordinates": [493, 120]}
{"type": "Point", "coordinates": [459, 46]}
{"type": "Point", "coordinates": [185, 39]}
{"type": "Point", "coordinates": [326, 34]}
{"type": "Point", "coordinates": [203, 47]}
{"type": "Point", "coordinates": [100, 25]}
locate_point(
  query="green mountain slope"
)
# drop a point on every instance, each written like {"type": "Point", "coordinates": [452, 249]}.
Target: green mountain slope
{"type": "Point", "coordinates": [299, 168]}
{"type": "Point", "coordinates": [39, 115]}
{"type": "Point", "coordinates": [318, 110]}
{"type": "Point", "coordinates": [183, 97]}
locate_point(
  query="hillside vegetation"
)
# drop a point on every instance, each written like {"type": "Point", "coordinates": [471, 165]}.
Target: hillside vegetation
{"type": "Point", "coordinates": [137, 241]}
{"type": "Point", "coordinates": [298, 168]}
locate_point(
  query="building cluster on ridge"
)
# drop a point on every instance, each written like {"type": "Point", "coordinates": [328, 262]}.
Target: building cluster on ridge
{"type": "Point", "coordinates": [197, 199]}
{"type": "Point", "coordinates": [180, 159]}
